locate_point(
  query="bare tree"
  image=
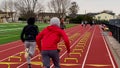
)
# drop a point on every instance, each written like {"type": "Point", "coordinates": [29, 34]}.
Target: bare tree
{"type": "Point", "coordinates": [2, 6]}
{"type": "Point", "coordinates": [28, 8]}
{"type": "Point", "coordinates": [73, 10]}
{"type": "Point", "coordinates": [49, 6]}
{"type": "Point", "coordinates": [7, 6]}
{"type": "Point", "coordinates": [59, 6]}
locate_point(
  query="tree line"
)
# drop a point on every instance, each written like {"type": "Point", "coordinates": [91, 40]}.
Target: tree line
{"type": "Point", "coordinates": [28, 8]}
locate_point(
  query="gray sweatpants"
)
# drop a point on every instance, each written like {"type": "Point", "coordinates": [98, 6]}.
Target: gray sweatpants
{"type": "Point", "coordinates": [31, 49]}
{"type": "Point", "coordinates": [53, 54]}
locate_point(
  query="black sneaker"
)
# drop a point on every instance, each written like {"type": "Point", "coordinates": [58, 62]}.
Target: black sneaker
{"type": "Point", "coordinates": [29, 66]}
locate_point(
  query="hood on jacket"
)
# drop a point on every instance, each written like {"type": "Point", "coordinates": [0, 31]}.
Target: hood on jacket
{"type": "Point", "coordinates": [55, 21]}
{"type": "Point", "coordinates": [53, 28]}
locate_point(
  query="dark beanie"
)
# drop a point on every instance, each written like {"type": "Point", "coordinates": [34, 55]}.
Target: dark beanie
{"type": "Point", "coordinates": [31, 20]}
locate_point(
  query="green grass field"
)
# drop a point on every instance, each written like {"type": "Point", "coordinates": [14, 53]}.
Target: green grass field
{"type": "Point", "coordinates": [11, 31]}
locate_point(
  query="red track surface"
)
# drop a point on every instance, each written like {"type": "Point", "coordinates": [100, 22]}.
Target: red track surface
{"type": "Point", "coordinates": [88, 50]}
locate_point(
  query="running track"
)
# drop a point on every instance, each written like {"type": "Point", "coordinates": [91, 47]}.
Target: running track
{"type": "Point", "coordinates": [89, 49]}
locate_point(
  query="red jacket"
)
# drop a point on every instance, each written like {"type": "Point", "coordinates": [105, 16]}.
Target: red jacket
{"type": "Point", "coordinates": [48, 38]}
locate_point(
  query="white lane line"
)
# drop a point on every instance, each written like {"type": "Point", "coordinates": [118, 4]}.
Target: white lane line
{"type": "Point", "coordinates": [11, 48]}
{"type": "Point", "coordinates": [7, 44]}
{"type": "Point", "coordinates": [9, 56]}
{"type": "Point", "coordinates": [109, 52]}
{"type": "Point", "coordinates": [83, 64]}
{"type": "Point", "coordinates": [26, 62]}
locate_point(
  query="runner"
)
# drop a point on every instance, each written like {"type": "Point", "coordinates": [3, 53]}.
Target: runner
{"type": "Point", "coordinates": [47, 41]}
{"type": "Point", "coordinates": [28, 36]}
{"type": "Point", "coordinates": [62, 24]}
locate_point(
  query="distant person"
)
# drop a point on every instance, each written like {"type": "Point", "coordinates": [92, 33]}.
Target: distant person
{"type": "Point", "coordinates": [83, 24]}
{"type": "Point", "coordinates": [91, 23]}
{"type": "Point", "coordinates": [62, 24]}
{"type": "Point", "coordinates": [47, 41]}
{"type": "Point", "coordinates": [28, 37]}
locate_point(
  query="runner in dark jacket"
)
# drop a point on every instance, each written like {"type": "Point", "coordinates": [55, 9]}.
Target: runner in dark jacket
{"type": "Point", "coordinates": [62, 24]}
{"type": "Point", "coordinates": [28, 36]}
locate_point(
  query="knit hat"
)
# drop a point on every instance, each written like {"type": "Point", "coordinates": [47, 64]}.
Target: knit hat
{"type": "Point", "coordinates": [55, 21]}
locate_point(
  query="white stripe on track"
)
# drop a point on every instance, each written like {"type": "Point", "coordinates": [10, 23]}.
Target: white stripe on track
{"type": "Point", "coordinates": [9, 56]}
{"type": "Point", "coordinates": [11, 48]}
{"type": "Point", "coordinates": [26, 62]}
{"type": "Point", "coordinates": [109, 52]}
{"type": "Point", "coordinates": [83, 64]}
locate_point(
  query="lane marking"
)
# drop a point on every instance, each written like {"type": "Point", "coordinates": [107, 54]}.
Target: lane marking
{"type": "Point", "coordinates": [11, 48]}
{"type": "Point", "coordinates": [83, 64]}
{"type": "Point", "coordinates": [76, 59]}
{"type": "Point", "coordinates": [9, 56]}
{"type": "Point", "coordinates": [63, 64]}
{"type": "Point", "coordinates": [26, 62]}
{"type": "Point", "coordinates": [109, 52]}
{"type": "Point", "coordinates": [99, 65]}
{"type": "Point", "coordinates": [7, 44]}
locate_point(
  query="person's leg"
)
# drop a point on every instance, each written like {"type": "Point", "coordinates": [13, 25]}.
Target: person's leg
{"type": "Point", "coordinates": [32, 48]}
{"type": "Point", "coordinates": [27, 46]}
{"type": "Point", "coordinates": [54, 54]}
{"type": "Point", "coordinates": [45, 59]}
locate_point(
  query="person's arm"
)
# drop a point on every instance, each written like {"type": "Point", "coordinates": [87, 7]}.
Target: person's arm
{"type": "Point", "coordinates": [22, 35]}
{"type": "Point", "coordinates": [66, 40]}
{"type": "Point", "coordinates": [38, 40]}
{"type": "Point", "coordinates": [37, 30]}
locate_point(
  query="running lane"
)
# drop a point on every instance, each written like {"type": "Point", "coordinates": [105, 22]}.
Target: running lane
{"type": "Point", "coordinates": [98, 54]}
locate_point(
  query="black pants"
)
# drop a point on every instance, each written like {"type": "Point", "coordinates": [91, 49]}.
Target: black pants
{"type": "Point", "coordinates": [54, 55]}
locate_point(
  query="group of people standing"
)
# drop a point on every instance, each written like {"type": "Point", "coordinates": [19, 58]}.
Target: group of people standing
{"type": "Point", "coordinates": [47, 41]}
{"type": "Point", "coordinates": [84, 23]}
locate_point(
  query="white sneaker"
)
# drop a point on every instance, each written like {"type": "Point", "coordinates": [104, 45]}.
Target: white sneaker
{"type": "Point", "coordinates": [26, 53]}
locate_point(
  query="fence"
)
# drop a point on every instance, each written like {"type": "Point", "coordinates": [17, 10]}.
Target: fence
{"type": "Point", "coordinates": [115, 29]}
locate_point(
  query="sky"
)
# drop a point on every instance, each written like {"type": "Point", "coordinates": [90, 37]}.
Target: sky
{"type": "Point", "coordinates": [94, 6]}
{"type": "Point", "coordinates": [97, 5]}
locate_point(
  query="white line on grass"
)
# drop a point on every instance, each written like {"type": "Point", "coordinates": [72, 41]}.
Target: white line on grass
{"type": "Point", "coordinates": [9, 37]}
{"type": "Point", "coordinates": [10, 29]}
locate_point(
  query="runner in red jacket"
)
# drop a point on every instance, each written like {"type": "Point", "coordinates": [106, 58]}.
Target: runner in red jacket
{"type": "Point", "coordinates": [47, 41]}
